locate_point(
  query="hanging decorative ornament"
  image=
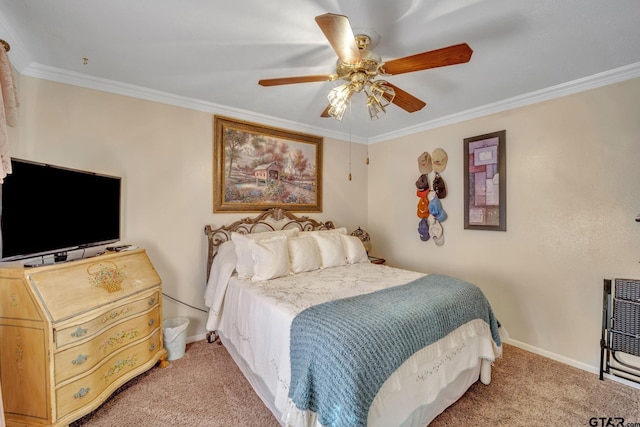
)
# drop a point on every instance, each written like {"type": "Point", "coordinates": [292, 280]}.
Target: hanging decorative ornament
{"type": "Point", "coordinates": [423, 205]}
{"type": "Point", "coordinates": [435, 208]}
{"type": "Point", "coordinates": [422, 183]}
{"type": "Point", "coordinates": [430, 210]}
{"type": "Point", "coordinates": [439, 186]}
{"type": "Point", "coordinates": [436, 231]}
{"type": "Point", "coordinates": [424, 163]}
{"type": "Point", "coordinates": [423, 230]}
{"type": "Point", "coordinates": [439, 160]}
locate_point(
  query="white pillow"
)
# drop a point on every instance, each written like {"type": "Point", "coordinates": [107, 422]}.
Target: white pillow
{"type": "Point", "coordinates": [331, 249]}
{"type": "Point", "coordinates": [271, 258]}
{"type": "Point", "coordinates": [354, 249]}
{"type": "Point", "coordinates": [341, 230]}
{"type": "Point", "coordinates": [244, 265]}
{"type": "Point", "coordinates": [304, 254]}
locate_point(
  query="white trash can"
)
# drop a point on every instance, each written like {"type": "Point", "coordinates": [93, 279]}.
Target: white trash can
{"type": "Point", "coordinates": [174, 332]}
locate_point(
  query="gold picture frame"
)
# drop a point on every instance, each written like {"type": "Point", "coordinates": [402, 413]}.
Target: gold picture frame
{"type": "Point", "coordinates": [258, 167]}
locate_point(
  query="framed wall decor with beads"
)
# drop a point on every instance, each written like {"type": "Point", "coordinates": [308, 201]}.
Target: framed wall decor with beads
{"type": "Point", "coordinates": [485, 182]}
{"type": "Point", "coordinates": [257, 167]}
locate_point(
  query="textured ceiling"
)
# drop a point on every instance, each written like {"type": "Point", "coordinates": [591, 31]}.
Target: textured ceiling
{"type": "Point", "coordinates": [209, 55]}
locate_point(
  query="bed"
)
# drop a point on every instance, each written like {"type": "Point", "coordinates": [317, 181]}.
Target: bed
{"type": "Point", "coordinates": [326, 337]}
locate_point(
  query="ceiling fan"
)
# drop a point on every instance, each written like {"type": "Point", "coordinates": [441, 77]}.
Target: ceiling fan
{"type": "Point", "coordinates": [359, 67]}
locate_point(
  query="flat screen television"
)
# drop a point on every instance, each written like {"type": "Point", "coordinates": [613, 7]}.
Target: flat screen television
{"type": "Point", "coordinates": [47, 209]}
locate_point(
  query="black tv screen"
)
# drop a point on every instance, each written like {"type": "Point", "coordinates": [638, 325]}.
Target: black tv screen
{"type": "Point", "coordinates": [47, 209]}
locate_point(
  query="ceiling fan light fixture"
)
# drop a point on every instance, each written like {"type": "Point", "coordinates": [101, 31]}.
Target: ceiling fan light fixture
{"type": "Point", "coordinates": [375, 108]}
{"type": "Point", "coordinates": [338, 98]}
{"type": "Point", "coordinates": [337, 111]}
{"type": "Point", "coordinates": [340, 94]}
{"type": "Point", "coordinates": [382, 92]}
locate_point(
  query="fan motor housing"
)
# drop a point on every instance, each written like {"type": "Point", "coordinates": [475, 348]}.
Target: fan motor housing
{"type": "Point", "coordinates": [368, 66]}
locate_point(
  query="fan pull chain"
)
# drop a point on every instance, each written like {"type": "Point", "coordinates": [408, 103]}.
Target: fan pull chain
{"type": "Point", "coordinates": [368, 135]}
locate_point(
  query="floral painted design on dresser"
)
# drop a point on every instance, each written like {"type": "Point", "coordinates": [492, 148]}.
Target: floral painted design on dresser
{"type": "Point", "coordinates": [119, 366]}
{"type": "Point", "coordinates": [115, 315]}
{"type": "Point", "coordinates": [118, 338]}
{"type": "Point", "coordinates": [20, 357]}
{"type": "Point", "coordinates": [107, 276]}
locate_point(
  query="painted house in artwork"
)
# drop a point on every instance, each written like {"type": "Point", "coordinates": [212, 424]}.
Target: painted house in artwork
{"type": "Point", "coordinates": [268, 171]}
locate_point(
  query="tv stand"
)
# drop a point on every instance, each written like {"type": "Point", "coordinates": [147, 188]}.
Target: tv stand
{"type": "Point", "coordinates": [72, 333]}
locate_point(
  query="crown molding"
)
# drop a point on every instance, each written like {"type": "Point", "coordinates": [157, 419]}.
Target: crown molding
{"type": "Point", "coordinates": [78, 79]}
{"type": "Point", "coordinates": [111, 86]}
{"type": "Point", "coordinates": [569, 88]}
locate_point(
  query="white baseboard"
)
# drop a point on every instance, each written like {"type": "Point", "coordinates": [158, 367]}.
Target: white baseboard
{"type": "Point", "coordinates": [195, 338]}
{"type": "Point", "coordinates": [570, 362]}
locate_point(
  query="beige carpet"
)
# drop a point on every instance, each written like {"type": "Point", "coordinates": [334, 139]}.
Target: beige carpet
{"type": "Point", "coordinates": [205, 388]}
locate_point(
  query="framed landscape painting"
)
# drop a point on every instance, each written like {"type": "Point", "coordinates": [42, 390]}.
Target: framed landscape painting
{"type": "Point", "coordinates": [485, 182]}
{"type": "Point", "coordinates": [258, 167]}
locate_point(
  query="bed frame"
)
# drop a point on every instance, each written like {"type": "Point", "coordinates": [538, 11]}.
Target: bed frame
{"type": "Point", "coordinates": [270, 220]}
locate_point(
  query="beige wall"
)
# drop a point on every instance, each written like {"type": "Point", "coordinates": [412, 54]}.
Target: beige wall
{"type": "Point", "coordinates": [573, 192]}
{"type": "Point", "coordinates": [164, 155]}
{"type": "Point", "coordinates": [573, 195]}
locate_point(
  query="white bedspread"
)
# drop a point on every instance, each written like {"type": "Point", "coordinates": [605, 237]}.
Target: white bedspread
{"type": "Point", "coordinates": [256, 318]}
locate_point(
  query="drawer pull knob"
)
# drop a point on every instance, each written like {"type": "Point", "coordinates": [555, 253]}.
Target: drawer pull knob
{"type": "Point", "coordinates": [152, 347]}
{"type": "Point", "coordinates": [82, 392]}
{"type": "Point", "coordinates": [80, 359]}
{"type": "Point", "coordinates": [152, 321]}
{"type": "Point", "coordinates": [152, 301]}
{"type": "Point", "coordinates": [79, 332]}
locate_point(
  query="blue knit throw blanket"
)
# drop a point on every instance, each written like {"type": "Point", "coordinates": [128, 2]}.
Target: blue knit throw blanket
{"type": "Point", "coordinates": [343, 351]}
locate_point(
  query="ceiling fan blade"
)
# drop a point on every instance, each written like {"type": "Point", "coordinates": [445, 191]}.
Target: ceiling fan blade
{"type": "Point", "coordinates": [293, 80]}
{"type": "Point", "coordinates": [405, 100]}
{"type": "Point", "coordinates": [325, 112]}
{"type": "Point", "coordinates": [456, 54]}
{"type": "Point", "coordinates": [338, 32]}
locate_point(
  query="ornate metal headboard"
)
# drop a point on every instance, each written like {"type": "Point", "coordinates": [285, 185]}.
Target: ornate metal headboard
{"type": "Point", "coordinates": [270, 220]}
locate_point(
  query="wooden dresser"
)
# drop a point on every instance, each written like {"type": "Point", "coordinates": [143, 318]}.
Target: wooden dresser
{"type": "Point", "coordinates": [72, 333]}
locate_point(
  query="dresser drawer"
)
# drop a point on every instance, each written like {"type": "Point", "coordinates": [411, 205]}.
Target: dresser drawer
{"type": "Point", "coordinates": [84, 390]}
{"type": "Point", "coordinates": [75, 360]}
{"type": "Point", "coordinates": [104, 319]}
